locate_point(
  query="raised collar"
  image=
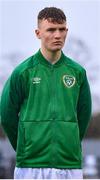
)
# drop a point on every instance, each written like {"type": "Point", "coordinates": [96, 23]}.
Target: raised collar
{"type": "Point", "coordinates": [44, 61]}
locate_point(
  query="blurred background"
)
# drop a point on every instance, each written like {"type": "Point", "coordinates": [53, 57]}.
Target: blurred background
{"type": "Point", "coordinates": [18, 20]}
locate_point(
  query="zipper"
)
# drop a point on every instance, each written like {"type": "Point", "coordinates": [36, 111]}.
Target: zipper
{"type": "Point", "coordinates": [53, 116]}
{"type": "Point", "coordinates": [53, 92]}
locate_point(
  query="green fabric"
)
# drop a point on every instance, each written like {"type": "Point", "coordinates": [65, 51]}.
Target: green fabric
{"type": "Point", "coordinates": [45, 111]}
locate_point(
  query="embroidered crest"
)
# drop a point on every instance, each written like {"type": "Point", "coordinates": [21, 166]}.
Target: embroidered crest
{"type": "Point", "coordinates": [69, 80]}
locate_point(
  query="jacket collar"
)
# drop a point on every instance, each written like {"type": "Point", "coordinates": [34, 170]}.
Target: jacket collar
{"type": "Point", "coordinates": [39, 56]}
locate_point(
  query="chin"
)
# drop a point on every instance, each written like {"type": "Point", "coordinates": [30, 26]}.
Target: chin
{"type": "Point", "coordinates": [56, 49]}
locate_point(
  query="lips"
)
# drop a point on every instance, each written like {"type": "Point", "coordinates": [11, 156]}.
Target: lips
{"type": "Point", "coordinates": [58, 42]}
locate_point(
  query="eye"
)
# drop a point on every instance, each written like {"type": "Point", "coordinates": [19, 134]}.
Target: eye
{"type": "Point", "coordinates": [62, 29]}
{"type": "Point", "coordinates": [51, 29]}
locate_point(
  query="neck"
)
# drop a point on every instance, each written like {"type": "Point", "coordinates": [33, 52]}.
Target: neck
{"type": "Point", "coordinates": [52, 57]}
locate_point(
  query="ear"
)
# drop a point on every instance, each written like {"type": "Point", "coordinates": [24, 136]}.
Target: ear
{"type": "Point", "coordinates": [37, 32]}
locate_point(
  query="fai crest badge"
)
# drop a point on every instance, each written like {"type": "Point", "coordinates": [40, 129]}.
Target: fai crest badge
{"type": "Point", "coordinates": [69, 80]}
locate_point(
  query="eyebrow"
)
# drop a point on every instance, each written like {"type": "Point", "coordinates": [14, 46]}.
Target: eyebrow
{"type": "Point", "coordinates": [54, 29]}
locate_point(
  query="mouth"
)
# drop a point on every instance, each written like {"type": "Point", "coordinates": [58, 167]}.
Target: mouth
{"type": "Point", "coordinates": [58, 43]}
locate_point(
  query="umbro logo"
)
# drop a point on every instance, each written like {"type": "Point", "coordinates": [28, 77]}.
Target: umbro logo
{"type": "Point", "coordinates": [36, 80]}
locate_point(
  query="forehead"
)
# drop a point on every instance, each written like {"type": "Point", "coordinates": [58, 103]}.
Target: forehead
{"type": "Point", "coordinates": [48, 24]}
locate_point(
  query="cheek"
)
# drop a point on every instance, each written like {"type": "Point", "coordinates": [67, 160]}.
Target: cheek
{"type": "Point", "coordinates": [64, 36]}
{"type": "Point", "coordinates": [46, 39]}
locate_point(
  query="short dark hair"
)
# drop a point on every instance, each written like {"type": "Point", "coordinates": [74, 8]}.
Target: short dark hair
{"type": "Point", "coordinates": [52, 14]}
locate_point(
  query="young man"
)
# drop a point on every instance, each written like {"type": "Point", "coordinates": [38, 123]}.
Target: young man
{"type": "Point", "coordinates": [46, 106]}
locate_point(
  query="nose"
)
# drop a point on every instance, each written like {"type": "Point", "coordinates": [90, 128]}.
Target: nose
{"type": "Point", "coordinates": [57, 34]}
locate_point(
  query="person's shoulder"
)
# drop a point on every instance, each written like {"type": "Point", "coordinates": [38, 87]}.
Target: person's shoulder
{"type": "Point", "coordinates": [26, 64]}
{"type": "Point", "coordinates": [72, 63]}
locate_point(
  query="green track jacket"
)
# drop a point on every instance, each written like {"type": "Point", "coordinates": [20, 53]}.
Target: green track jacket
{"type": "Point", "coordinates": [45, 111]}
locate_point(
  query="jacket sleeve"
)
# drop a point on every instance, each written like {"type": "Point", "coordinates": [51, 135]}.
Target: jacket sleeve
{"type": "Point", "coordinates": [84, 107]}
{"type": "Point", "coordinates": [11, 100]}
